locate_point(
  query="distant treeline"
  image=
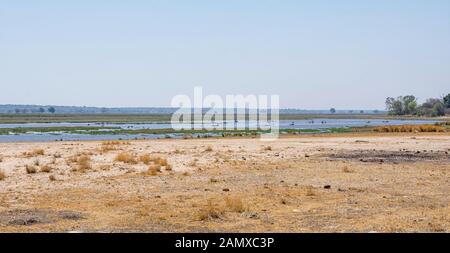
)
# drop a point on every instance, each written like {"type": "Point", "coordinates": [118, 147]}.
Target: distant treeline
{"type": "Point", "coordinates": [41, 109]}
{"type": "Point", "coordinates": [408, 105]}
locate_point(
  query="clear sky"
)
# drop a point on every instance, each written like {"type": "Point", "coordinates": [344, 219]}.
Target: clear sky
{"type": "Point", "coordinates": [314, 54]}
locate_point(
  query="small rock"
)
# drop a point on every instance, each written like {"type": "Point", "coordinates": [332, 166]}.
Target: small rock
{"type": "Point", "coordinates": [327, 186]}
{"type": "Point", "coordinates": [253, 215]}
{"type": "Point", "coordinates": [225, 189]}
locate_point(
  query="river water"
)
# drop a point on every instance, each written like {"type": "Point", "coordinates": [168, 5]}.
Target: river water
{"type": "Point", "coordinates": [313, 124]}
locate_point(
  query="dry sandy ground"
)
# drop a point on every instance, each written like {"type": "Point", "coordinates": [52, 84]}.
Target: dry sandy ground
{"type": "Point", "coordinates": [329, 183]}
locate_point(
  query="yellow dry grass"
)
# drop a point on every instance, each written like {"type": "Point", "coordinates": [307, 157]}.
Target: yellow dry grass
{"type": "Point", "coordinates": [210, 212]}
{"type": "Point", "coordinates": [235, 204]}
{"type": "Point", "coordinates": [153, 170]}
{"type": "Point", "coordinates": [310, 191]}
{"type": "Point", "coordinates": [46, 169]}
{"type": "Point", "coordinates": [145, 158]}
{"type": "Point", "coordinates": [83, 163]}
{"type": "Point", "coordinates": [34, 152]}
{"type": "Point", "coordinates": [2, 175]}
{"type": "Point", "coordinates": [126, 157]}
{"type": "Point", "coordinates": [264, 192]}
{"type": "Point", "coordinates": [410, 129]}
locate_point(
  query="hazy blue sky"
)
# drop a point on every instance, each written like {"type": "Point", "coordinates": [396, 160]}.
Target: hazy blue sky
{"type": "Point", "coordinates": [314, 54]}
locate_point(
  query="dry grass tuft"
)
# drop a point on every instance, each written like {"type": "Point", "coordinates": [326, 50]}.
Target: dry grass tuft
{"type": "Point", "coordinates": [210, 212]}
{"type": "Point", "coordinates": [109, 146]}
{"type": "Point", "coordinates": [209, 149]}
{"type": "Point", "coordinates": [83, 163]}
{"type": "Point", "coordinates": [235, 204]}
{"type": "Point", "coordinates": [347, 170]}
{"type": "Point", "coordinates": [160, 161]}
{"type": "Point", "coordinates": [2, 175]}
{"type": "Point", "coordinates": [46, 169]}
{"type": "Point", "coordinates": [30, 169]}
{"type": "Point", "coordinates": [146, 159]}
{"type": "Point", "coordinates": [34, 152]}
{"type": "Point", "coordinates": [126, 157]}
{"type": "Point", "coordinates": [52, 178]}
{"type": "Point", "coordinates": [310, 191]}
{"type": "Point", "coordinates": [268, 148]}
{"type": "Point", "coordinates": [153, 170]}
{"type": "Point", "coordinates": [163, 162]}
{"type": "Point", "coordinates": [168, 167]}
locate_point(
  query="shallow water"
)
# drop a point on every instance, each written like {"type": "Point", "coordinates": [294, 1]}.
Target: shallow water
{"type": "Point", "coordinates": [314, 124]}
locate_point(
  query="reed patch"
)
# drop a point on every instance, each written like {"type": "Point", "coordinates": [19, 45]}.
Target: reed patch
{"type": "Point", "coordinates": [410, 129]}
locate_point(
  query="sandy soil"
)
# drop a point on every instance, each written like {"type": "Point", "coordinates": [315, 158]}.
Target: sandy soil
{"type": "Point", "coordinates": [329, 183]}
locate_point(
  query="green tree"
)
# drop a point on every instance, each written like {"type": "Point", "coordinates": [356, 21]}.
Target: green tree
{"type": "Point", "coordinates": [41, 110]}
{"type": "Point", "coordinates": [447, 101]}
{"type": "Point", "coordinates": [394, 106]}
{"type": "Point", "coordinates": [409, 104]}
{"type": "Point", "coordinates": [431, 107]}
{"type": "Point", "coordinates": [438, 109]}
{"type": "Point", "coordinates": [403, 105]}
{"type": "Point", "coordinates": [51, 110]}
{"type": "Point", "coordinates": [333, 111]}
